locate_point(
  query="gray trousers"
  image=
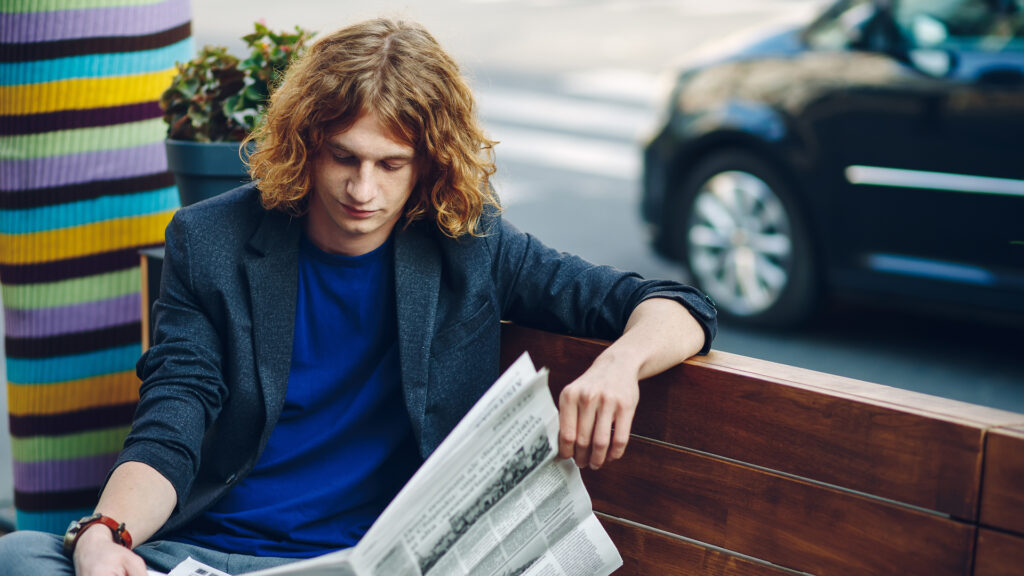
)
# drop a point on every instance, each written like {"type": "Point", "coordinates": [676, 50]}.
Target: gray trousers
{"type": "Point", "coordinates": [28, 553]}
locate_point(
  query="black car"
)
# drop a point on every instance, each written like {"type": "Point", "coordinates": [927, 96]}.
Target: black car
{"type": "Point", "coordinates": [878, 149]}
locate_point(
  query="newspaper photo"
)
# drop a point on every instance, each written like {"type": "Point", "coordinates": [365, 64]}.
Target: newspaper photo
{"type": "Point", "coordinates": [493, 499]}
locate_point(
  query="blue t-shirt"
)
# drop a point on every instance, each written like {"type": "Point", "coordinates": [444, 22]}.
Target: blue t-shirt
{"type": "Point", "coordinates": [343, 446]}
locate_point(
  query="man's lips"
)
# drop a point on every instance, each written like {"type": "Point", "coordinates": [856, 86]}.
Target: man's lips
{"type": "Point", "coordinates": [356, 213]}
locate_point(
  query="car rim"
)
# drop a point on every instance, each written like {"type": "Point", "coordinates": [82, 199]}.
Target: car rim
{"type": "Point", "coordinates": [740, 242]}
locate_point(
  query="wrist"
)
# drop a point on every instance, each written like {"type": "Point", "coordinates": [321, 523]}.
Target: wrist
{"type": "Point", "coordinates": [619, 359]}
{"type": "Point", "coordinates": [94, 529]}
{"type": "Point", "coordinates": [94, 534]}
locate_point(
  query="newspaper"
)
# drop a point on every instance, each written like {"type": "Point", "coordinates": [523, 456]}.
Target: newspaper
{"type": "Point", "coordinates": [493, 499]}
{"type": "Point", "coordinates": [189, 567]}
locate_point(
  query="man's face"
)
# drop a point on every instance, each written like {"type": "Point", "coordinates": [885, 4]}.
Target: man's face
{"type": "Point", "coordinates": [362, 179]}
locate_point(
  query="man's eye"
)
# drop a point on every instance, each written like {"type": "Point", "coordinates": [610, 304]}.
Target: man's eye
{"type": "Point", "coordinates": [344, 159]}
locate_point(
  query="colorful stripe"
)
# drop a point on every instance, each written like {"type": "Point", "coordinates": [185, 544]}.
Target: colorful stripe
{"type": "Point", "coordinates": [87, 211]}
{"type": "Point", "coordinates": [61, 475]}
{"type": "Point", "coordinates": [33, 502]}
{"type": "Point", "coordinates": [83, 240]}
{"type": "Point", "coordinates": [53, 521]}
{"type": "Point", "coordinates": [84, 93]}
{"type": "Point", "coordinates": [23, 199]}
{"type": "Point", "coordinates": [94, 65]}
{"type": "Point", "coordinates": [73, 119]}
{"type": "Point", "coordinates": [34, 51]}
{"type": "Point", "coordinates": [73, 367]}
{"type": "Point", "coordinates": [78, 168]}
{"type": "Point", "coordinates": [19, 26]}
{"type": "Point", "coordinates": [83, 444]}
{"type": "Point", "coordinates": [43, 5]}
{"type": "Point", "coordinates": [71, 422]}
{"type": "Point", "coordinates": [72, 291]}
{"type": "Point", "coordinates": [72, 169]}
{"type": "Point", "coordinates": [83, 140]}
{"type": "Point", "coordinates": [43, 272]}
{"type": "Point", "coordinates": [74, 318]}
{"type": "Point", "coordinates": [77, 343]}
{"type": "Point", "coordinates": [84, 394]}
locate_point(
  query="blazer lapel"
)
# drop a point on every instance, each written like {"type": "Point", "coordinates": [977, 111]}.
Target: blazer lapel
{"type": "Point", "coordinates": [417, 280]}
{"type": "Point", "coordinates": [272, 269]}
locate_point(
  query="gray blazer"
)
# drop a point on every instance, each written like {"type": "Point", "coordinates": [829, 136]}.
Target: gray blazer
{"type": "Point", "coordinates": [214, 381]}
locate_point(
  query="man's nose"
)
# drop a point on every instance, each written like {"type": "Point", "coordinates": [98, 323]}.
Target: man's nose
{"type": "Point", "coordinates": [364, 184]}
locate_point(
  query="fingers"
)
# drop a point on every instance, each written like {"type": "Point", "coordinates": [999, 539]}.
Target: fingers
{"type": "Point", "coordinates": [594, 425]}
{"type": "Point", "coordinates": [576, 421]}
{"type": "Point", "coordinates": [601, 438]}
{"type": "Point", "coordinates": [567, 415]}
{"type": "Point", "coordinates": [585, 429]}
{"type": "Point", "coordinates": [624, 423]}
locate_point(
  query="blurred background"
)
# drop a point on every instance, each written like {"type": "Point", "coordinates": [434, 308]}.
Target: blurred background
{"type": "Point", "coordinates": [576, 89]}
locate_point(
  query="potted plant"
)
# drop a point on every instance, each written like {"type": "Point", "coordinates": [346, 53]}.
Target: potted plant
{"type": "Point", "coordinates": [214, 101]}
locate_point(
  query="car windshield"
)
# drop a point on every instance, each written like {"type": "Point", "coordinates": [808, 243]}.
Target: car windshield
{"type": "Point", "coordinates": [962, 25]}
{"type": "Point", "coordinates": [957, 25]}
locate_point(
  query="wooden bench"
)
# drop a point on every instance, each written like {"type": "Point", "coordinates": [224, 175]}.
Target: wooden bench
{"type": "Point", "coordinates": [739, 466]}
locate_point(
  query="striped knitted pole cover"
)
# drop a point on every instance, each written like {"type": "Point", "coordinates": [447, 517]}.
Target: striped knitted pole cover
{"type": "Point", "coordinates": [83, 186]}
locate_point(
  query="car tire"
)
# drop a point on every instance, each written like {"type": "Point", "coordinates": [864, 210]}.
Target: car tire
{"type": "Point", "coordinates": [742, 237]}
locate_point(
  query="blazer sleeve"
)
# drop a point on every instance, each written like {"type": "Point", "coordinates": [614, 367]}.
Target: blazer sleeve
{"type": "Point", "coordinates": [182, 388]}
{"type": "Point", "coordinates": [541, 287]}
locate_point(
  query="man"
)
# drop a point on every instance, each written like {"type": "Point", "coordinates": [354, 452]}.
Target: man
{"type": "Point", "coordinates": [319, 333]}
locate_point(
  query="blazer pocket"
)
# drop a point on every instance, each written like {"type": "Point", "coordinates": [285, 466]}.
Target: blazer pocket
{"type": "Point", "coordinates": [463, 332]}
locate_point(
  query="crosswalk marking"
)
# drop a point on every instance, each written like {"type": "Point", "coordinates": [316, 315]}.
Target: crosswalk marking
{"type": "Point", "coordinates": [574, 127]}
{"type": "Point", "coordinates": [594, 118]}
{"type": "Point", "coordinates": [634, 87]}
{"type": "Point", "coordinates": [580, 154]}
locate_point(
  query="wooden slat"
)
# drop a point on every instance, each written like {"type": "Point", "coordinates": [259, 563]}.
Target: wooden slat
{"type": "Point", "coordinates": [834, 430]}
{"type": "Point", "coordinates": [785, 521]}
{"type": "Point", "coordinates": [925, 404]}
{"type": "Point", "coordinates": [999, 554]}
{"type": "Point", "coordinates": [648, 553]}
{"type": "Point", "coordinates": [1002, 493]}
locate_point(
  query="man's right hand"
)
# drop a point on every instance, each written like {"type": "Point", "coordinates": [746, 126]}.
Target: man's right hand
{"type": "Point", "coordinates": [96, 554]}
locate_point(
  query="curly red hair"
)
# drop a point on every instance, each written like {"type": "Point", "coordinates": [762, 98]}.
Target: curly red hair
{"type": "Point", "coordinates": [400, 73]}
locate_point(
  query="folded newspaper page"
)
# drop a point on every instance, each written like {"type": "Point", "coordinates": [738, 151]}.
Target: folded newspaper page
{"type": "Point", "coordinates": [493, 499]}
{"type": "Point", "coordinates": [189, 567]}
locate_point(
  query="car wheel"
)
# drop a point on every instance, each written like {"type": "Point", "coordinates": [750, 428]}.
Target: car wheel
{"type": "Point", "coordinates": [745, 242]}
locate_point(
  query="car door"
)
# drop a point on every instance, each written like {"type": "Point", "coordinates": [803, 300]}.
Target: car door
{"type": "Point", "coordinates": [932, 168]}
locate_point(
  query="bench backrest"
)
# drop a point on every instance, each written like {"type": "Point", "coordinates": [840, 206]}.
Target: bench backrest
{"type": "Point", "coordinates": [741, 466]}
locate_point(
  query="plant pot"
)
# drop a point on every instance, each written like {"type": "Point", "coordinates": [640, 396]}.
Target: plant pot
{"type": "Point", "coordinates": [204, 169]}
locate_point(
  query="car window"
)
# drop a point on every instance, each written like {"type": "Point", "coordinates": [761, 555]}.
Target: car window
{"type": "Point", "coordinates": [962, 25]}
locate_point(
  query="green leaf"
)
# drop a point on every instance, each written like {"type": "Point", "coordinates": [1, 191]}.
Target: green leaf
{"type": "Point", "coordinates": [231, 104]}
